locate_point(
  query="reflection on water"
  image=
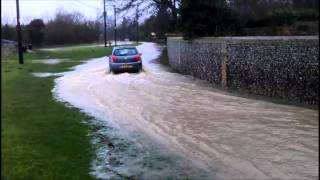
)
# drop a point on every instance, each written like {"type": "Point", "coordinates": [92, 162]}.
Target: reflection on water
{"type": "Point", "coordinates": [232, 137]}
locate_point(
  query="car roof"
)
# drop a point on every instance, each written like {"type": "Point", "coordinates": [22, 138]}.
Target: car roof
{"type": "Point", "coordinates": [124, 47]}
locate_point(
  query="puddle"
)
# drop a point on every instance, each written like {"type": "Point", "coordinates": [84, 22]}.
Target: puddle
{"type": "Point", "coordinates": [189, 121]}
{"type": "Point", "coordinates": [46, 74]}
{"type": "Point", "coordinates": [49, 61]}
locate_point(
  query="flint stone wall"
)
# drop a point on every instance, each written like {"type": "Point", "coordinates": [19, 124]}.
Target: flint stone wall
{"type": "Point", "coordinates": [282, 67]}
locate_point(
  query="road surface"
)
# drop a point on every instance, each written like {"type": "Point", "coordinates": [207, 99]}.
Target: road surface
{"type": "Point", "coordinates": [230, 136]}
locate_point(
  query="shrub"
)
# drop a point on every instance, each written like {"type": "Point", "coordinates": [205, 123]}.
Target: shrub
{"type": "Point", "coordinates": [308, 15]}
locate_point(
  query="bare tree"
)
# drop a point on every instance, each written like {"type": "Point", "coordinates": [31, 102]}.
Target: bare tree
{"type": "Point", "coordinates": [144, 5]}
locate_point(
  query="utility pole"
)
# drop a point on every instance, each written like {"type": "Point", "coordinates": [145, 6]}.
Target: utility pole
{"type": "Point", "coordinates": [137, 31]}
{"type": "Point", "coordinates": [115, 26]}
{"type": "Point", "coordinates": [137, 21]}
{"type": "Point", "coordinates": [19, 34]}
{"type": "Point", "coordinates": [105, 23]}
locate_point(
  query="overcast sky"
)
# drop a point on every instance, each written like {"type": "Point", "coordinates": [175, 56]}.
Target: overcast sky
{"type": "Point", "coordinates": [45, 9]}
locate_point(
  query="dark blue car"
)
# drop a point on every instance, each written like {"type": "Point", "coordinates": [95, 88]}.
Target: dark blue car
{"type": "Point", "coordinates": [125, 58]}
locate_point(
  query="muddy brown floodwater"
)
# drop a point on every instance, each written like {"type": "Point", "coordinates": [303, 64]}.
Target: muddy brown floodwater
{"type": "Point", "coordinates": [229, 136]}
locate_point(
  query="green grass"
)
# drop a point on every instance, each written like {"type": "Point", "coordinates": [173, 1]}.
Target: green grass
{"type": "Point", "coordinates": [71, 53]}
{"type": "Point", "coordinates": [41, 138]}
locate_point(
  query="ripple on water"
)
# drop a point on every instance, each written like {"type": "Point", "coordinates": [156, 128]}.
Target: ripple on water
{"type": "Point", "coordinates": [233, 137]}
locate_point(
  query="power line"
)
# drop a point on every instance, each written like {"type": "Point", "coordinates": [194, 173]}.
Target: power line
{"type": "Point", "coordinates": [104, 15]}
{"type": "Point", "coordinates": [78, 1]}
{"type": "Point", "coordinates": [85, 4]}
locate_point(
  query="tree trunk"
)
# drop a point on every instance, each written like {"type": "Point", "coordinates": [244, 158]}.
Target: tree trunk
{"type": "Point", "coordinates": [174, 15]}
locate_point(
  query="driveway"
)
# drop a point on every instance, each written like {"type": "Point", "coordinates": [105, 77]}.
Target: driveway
{"type": "Point", "coordinates": [231, 136]}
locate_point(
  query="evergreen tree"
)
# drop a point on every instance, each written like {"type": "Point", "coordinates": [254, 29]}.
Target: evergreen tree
{"type": "Point", "coordinates": [8, 32]}
{"type": "Point", "coordinates": [36, 31]}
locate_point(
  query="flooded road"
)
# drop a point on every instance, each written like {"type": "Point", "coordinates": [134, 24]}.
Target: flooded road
{"type": "Point", "coordinates": [229, 136]}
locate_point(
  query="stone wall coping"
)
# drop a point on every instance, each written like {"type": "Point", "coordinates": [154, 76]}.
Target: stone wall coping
{"type": "Point", "coordinates": [252, 38]}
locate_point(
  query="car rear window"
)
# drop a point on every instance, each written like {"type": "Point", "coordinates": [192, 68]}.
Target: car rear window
{"type": "Point", "coordinates": [125, 52]}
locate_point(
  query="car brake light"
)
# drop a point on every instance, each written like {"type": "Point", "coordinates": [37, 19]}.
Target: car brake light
{"type": "Point", "coordinates": [114, 58]}
{"type": "Point", "coordinates": [137, 57]}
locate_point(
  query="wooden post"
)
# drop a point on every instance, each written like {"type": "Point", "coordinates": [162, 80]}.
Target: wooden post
{"type": "Point", "coordinates": [115, 25]}
{"type": "Point", "coordinates": [105, 23]}
{"type": "Point", "coordinates": [224, 61]}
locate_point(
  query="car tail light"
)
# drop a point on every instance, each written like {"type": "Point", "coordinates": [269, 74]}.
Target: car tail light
{"type": "Point", "coordinates": [137, 57]}
{"type": "Point", "coordinates": [114, 58]}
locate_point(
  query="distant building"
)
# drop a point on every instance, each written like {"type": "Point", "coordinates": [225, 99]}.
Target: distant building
{"type": "Point", "coordinates": [8, 48]}
{"type": "Point", "coordinates": [25, 46]}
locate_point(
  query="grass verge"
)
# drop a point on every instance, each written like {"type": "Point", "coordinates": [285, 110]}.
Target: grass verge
{"type": "Point", "coordinates": [41, 138]}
